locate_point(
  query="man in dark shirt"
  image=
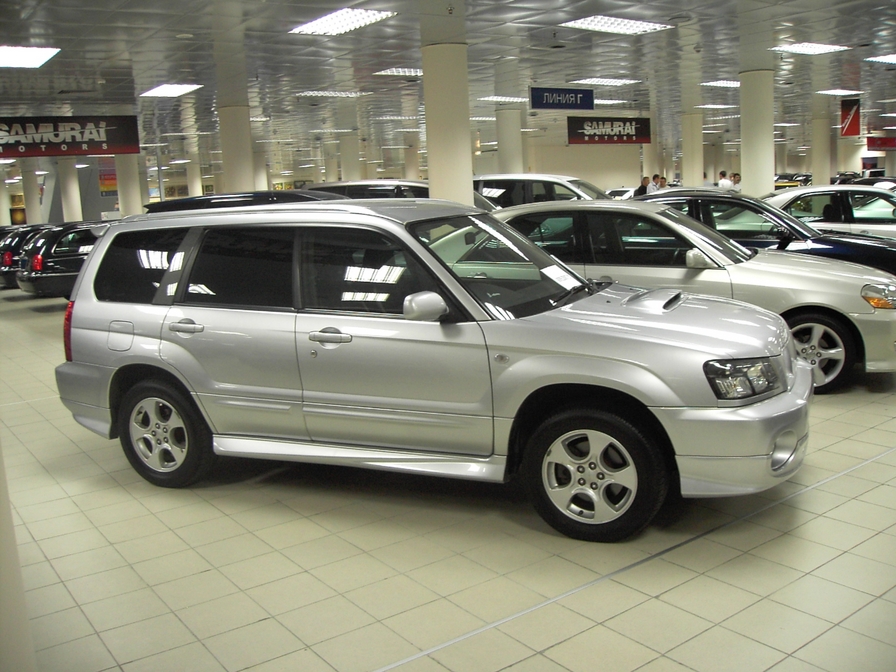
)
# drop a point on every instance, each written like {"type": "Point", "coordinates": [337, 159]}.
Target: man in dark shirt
{"type": "Point", "coordinates": [640, 191]}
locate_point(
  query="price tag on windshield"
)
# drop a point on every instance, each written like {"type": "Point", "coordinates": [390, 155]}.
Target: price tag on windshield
{"type": "Point", "coordinates": [561, 277]}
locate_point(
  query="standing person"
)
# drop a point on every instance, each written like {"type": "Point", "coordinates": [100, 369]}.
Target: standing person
{"type": "Point", "coordinates": [654, 184]}
{"type": "Point", "coordinates": [724, 182]}
{"type": "Point", "coordinates": [735, 182]}
{"type": "Point", "coordinates": [663, 183]}
{"type": "Point", "coordinates": [640, 191]}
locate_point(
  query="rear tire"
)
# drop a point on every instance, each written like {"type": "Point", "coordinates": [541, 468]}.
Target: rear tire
{"type": "Point", "coordinates": [827, 344]}
{"type": "Point", "coordinates": [593, 476]}
{"type": "Point", "coordinates": [163, 436]}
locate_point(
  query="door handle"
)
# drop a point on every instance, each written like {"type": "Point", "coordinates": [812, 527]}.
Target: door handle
{"type": "Point", "coordinates": [186, 326]}
{"type": "Point", "coordinates": [329, 335]}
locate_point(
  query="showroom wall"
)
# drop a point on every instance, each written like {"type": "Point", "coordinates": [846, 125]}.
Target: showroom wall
{"type": "Point", "coordinates": [605, 166]}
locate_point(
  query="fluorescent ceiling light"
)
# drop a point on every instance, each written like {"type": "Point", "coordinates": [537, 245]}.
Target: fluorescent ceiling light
{"type": "Point", "coordinates": [710, 106]}
{"type": "Point", "coordinates": [809, 48]}
{"type": "Point", "coordinates": [41, 172]}
{"type": "Point", "coordinates": [6, 162]}
{"type": "Point", "coordinates": [266, 140]}
{"type": "Point", "coordinates": [12, 180]}
{"type": "Point", "coordinates": [333, 130]}
{"type": "Point", "coordinates": [82, 165]}
{"type": "Point", "coordinates": [889, 114]}
{"type": "Point", "coordinates": [25, 57]}
{"type": "Point", "coordinates": [786, 123]}
{"type": "Point", "coordinates": [504, 99]}
{"type": "Point", "coordinates": [401, 72]}
{"type": "Point", "coordinates": [608, 101]}
{"type": "Point", "coordinates": [888, 100]}
{"type": "Point", "coordinates": [483, 118]}
{"type": "Point", "coordinates": [728, 116]}
{"type": "Point", "coordinates": [395, 117]}
{"type": "Point", "coordinates": [259, 118]}
{"type": "Point", "coordinates": [606, 81]}
{"type": "Point", "coordinates": [394, 147]}
{"type": "Point", "coordinates": [532, 130]}
{"type": "Point", "coordinates": [154, 144]}
{"type": "Point", "coordinates": [170, 90]}
{"type": "Point", "coordinates": [286, 172]}
{"type": "Point", "coordinates": [409, 130]}
{"type": "Point", "coordinates": [723, 83]}
{"type": "Point", "coordinates": [718, 130]}
{"type": "Point", "coordinates": [609, 24]}
{"type": "Point", "coordinates": [889, 58]}
{"type": "Point", "coordinates": [178, 161]}
{"type": "Point", "coordinates": [307, 165]}
{"type": "Point", "coordinates": [890, 128]}
{"type": "Point", "coordinates": [839, 92]}
{"type": "Point", "coordinates": [186, 133]}
{"type": "Point", "coordinates": [333, 94]}
{"type": "Point", "coordinates": [343, 21]}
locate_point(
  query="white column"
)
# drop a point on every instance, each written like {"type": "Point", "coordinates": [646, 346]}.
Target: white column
{"type": "Point", "coordinates": [849, 154]}
{"type": "Point", "coordinates": [821, 150]}
{"type": "Point", "coordinates": [510, 141]}
{"type": "Point", "coordinates": [781, 157]}
{"type": "Point", "coordinates": [650, 151]}
{"type": "Point", "coordinates": [446, 97]}
{"type": "Point", "coordinates": [710, 162]}
{"type": "Point", "coordinates": [236, 148]}
{"type": "Point", "coordinates": [127, 176]}
{"type": "Point", "coordinates": [194, 174]}
{"type": "Point", "coordinates": [218, 181]}
{"type": "Point", "coordinates": [757, 119]}
{"type": "Point", "coordinates": [5, 217]}
{"type": "Point", "coordinates": [31, 189]}
{"type": "Point", "coordinates": [890, 158]}
{"type": "Point", "coordinates": [16, 645]}
{"type": "Point", "coordinates": [331, 162]}
{"type": "Point", "coordinates": [349, 156]}
{"type": "Point", "coordinates": [260, 171]}
{"type": "Point", "coordinates": [411, 157]}
{"type": "Point", "coordinates": [70, 187]}
{"type": "Point", "coordinates": [692, 150]}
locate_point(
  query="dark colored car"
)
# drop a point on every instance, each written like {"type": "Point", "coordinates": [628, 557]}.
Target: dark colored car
{"type": "Point", "coordinates": [240, 199]}
{"type": "Point", "coordinates": [52, 258]}
{"type": "Point", "coordinates": [754, 223]}
{"type": "Point", "coordinates": [10, 248]}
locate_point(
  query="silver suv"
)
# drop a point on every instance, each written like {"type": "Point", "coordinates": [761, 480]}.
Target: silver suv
{"type": "Point", "coordinates": [424, 336]}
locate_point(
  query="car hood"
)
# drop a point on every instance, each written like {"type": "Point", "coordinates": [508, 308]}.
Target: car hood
{"type": "Point", "coordinates": [781, 264]}
{"type": "Point", "coordinates": [665, 320]}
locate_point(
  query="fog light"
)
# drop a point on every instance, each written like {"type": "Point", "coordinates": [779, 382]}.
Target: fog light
{"type": "Point", "coordinates": [784, 449]}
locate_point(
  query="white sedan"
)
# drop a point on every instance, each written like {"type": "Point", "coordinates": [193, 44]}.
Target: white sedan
{"type": "Point", "coordinates": [840, 313]}
{"type": "Point", "coordinates": [852, 208]}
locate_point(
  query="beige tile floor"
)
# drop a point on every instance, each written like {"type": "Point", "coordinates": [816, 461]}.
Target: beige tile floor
{"type": "Point", "coordinates": [271, 567]}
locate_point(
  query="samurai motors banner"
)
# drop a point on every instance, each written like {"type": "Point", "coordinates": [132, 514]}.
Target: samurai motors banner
{"type": "Point", "coordinates": [607, 130]}
{"type": "Point", "coordinates": [68, 136]}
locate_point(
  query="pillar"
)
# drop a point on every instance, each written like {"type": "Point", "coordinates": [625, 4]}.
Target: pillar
{"type": "Point", "coordinates": [194, 174]}
{"type": "Point", "coordinates": [781, 157]}
{"type": "Point", "coordinates": [446, 97]}
{"type": "Point", "coordinates": [509, 122]}
{"type": "Point", "coordinates": [127, 175]}
{"type": "Point", "coordinates": [5, 217]}
{"type": "Point", "coordinates": [349, 156]}
{"type": "Point", "coordinates": [820, 165]}
{"type": "Point", "coordinates": [890, 158]}
{"type": "Point", "coordinates": [260, 171]}
{"type": "Point", "coordinates": [411, 156]}
{"type": "Point", "coordinates": [757, 120]}
{"type": "Point", "coordinates": [650, 151]}
{"type": "Point", "coordinates": [849, 154]}
{"type": "Point", "coordinates": [331, 162]}
{"type": "Point", "coordinates": [31, 189]}
{"type": "Point", "coordinates": [236, 148]}
{"type": "Point", "coordinates": [692, 149]}
{"type": "Point", "coordinates": [70, 187]}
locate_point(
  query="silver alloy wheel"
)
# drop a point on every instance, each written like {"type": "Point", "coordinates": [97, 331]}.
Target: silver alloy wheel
{"type": "Point", "coordinates": [589, 476]}
{"type": "Point", "coordinates": [822, 347]}
{"type": "Point", "coordinates": [158, 434]}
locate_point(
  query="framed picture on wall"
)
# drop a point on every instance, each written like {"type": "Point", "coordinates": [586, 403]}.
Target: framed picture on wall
{"type": "Point", "coordinates": [208, 189]}
{"type": "Point", "coordinates": [170, 192]}
{"type": "Point", "coordinates": [183, 190]}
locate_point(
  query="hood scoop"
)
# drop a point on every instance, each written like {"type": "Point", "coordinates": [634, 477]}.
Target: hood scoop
{"type": "Point", "coordinates": [655, 301]}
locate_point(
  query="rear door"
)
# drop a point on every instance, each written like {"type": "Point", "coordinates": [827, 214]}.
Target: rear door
{"type": "Point", "coordinates": [872, 213]}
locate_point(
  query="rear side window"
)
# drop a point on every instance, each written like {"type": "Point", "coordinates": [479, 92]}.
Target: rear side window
{"type": "Point", "coordinates": [504, 192]}
{"type": "Point", "coordinates": [134, 264]}
{"type": "Point", "coordinates": [79, 241]}
{"type": "Point", "coordinates": [249, 267]}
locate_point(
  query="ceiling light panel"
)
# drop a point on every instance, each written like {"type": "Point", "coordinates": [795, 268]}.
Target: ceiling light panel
{"type": "Point", "coordinates": [606, 81]}
{"type": "Point", "coordinates": [401, 72]}
{"type": "Point", "coordinates": [709, 106]}
{"type": "Point", "coordinates": [341, 22]}
{"type": "Point", "coordinates": [839, 92]}
{"type": "Point", "coordinates": [723, 83]}
{"type": "Point", "coordinates": [609, 24]}
{"type": "Point", "coordinates": [809, 48]}
{"type": "Point", "coordinates": [609, 101]}
{"type": "Point", "coordinates": [25, 57]}
{"type": "Point", "coordinates": [889, 58]}
{"type": "Point", "coordinates": [333, 94]}
{"type": "Point", "coordinates": [504, 99]}
{"type": "Point", "coordinates": [170, 90]}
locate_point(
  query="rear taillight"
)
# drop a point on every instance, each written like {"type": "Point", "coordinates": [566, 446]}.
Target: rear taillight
{"type": "Point", "coordinates": [37, 263]}
{"type": "Point", "coordinates": [7, 258]}
{"type": "Point", "coordinates": [67, 331]}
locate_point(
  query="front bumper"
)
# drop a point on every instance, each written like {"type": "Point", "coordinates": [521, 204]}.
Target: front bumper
{"type": "Point", "coordinates": [745, 449]}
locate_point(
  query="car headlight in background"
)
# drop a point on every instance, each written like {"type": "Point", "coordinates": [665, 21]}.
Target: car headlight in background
{"type": "Point", "coordinates": [880, 296]}
{"type": "Point", "coordinates": [735, 379]}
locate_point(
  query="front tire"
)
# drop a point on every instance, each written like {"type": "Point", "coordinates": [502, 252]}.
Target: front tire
{"type": "Point", "coordinates": [827, 344]}
{"type": "Point", "coordinates": [593, 476]}
{"type": "Point", "coordinates": [163, 436]}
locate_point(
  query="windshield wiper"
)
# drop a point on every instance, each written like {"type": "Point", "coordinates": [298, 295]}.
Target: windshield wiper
{"type": "Point", "coordinates": [589, 286]}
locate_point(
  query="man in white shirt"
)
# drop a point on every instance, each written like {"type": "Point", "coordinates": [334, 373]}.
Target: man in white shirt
{"type": "Point", "coordinates": [735, 182]}
{"type": "Point", "coordinates": [724, 182]}
{"type": "Point", "coordinates": [654, 184]}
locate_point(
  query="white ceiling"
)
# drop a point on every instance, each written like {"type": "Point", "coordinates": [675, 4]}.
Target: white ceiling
{"type": "Point", "coordinates": [113, 50]}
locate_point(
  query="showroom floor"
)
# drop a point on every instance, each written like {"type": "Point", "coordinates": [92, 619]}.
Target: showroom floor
{"type": "Point", "coordinates": [271, 566]}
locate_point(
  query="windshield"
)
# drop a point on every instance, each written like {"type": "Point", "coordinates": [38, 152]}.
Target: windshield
{"type": "Point", "coordinates": [589, 189]}
{"type": "Point", "coordinates": [506, 273]}
{"type": "Point", "coordinates": [736, 252]}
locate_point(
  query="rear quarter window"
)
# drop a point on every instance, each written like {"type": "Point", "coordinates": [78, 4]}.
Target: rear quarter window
{"type": "Point", "coordinates": [134, 263]}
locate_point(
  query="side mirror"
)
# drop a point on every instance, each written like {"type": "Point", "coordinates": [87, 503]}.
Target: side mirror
{"type": "Point", "coordinates": [424, 307]}
{"type": "Point", "coordinates": [697, 259]}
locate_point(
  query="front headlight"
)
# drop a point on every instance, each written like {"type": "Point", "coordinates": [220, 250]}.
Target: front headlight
{"type": "Point", "coordinates": [880, 296]}
{"type": "Point", "coordinates": [744, 378]}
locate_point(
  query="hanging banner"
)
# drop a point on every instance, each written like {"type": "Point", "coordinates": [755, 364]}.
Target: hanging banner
{"type": "Point", "coordinates": [560, 99]}
{"type": "Point", "coordinates": [850, 119]}
{"type": "Point", "coordinates": [108, 178]}
{"type": "Point", "coordinates": [880, 144]}
{"type": "Point", "coordinates": [607, 130]}
{"type": "Point", "coordinates": [68, 136]}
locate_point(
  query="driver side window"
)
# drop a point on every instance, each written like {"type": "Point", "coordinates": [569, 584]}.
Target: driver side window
{"type": "Point", "coordinates": [638, 240]}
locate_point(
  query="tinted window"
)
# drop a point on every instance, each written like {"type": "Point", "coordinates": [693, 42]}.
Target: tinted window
{"type": "Point", "coordinates": [554, 232]}
{"type": "Point", "coordinates": [816, 208]}
{"type": "Point", "coordinates": [357, 270]}
{"type": "Point", "coordinates": [79, 241]}
{"type": "Point", "coordinates": [869, 207]}
{"type": "Point", "coordinates": [562, 193]}
{"type": "Point", "coordinates": [623, 238]}
{"type": "Point", "coordinates": [504, 192]}
{"type": "Point", "coordinates": [250, 267]}
{"type": "Point", "coordinates": [740, 222]}
{"type": "Point", "coordinates": [134, 264]}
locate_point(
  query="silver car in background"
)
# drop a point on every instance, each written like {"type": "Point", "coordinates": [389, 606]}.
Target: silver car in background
{"type": "Point", "coordinates": [424, 336]}
{"type": "Point", "coordinates": [851, 208]}
{"type": "Point", "coordinates": [840, 313]}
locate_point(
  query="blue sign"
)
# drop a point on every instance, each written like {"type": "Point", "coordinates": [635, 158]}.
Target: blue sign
{"type": "Point", "coordinates": [561, 99]}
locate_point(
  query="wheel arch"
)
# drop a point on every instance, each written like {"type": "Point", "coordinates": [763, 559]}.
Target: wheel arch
{"type": "Point", "coordinates": [833, 315]}
{"type": "Point", "coordinates": [128, 376]}
{"type": "Point", "coordinates": [551, 399]}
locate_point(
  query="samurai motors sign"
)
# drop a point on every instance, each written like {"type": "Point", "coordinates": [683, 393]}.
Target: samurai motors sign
{"type": "Point", "coordinates": [607, 130]}
{"type": "Point", "coordinates": [68, 136]}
